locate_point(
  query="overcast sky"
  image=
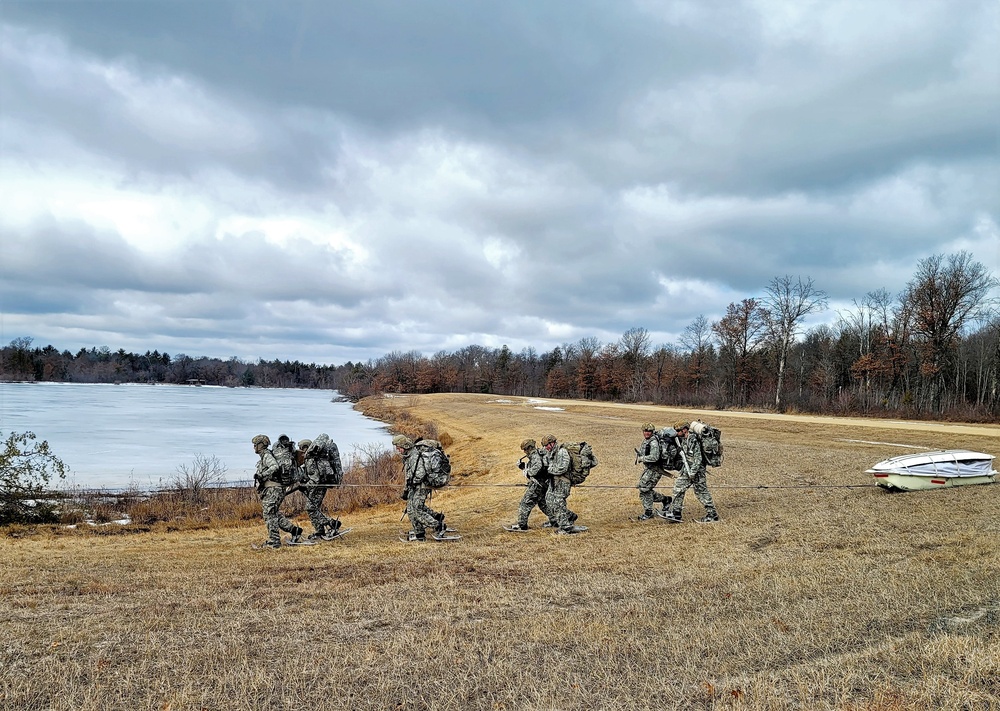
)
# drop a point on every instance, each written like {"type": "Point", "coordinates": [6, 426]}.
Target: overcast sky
{"type": "Point", "coordinates": [332, 181]}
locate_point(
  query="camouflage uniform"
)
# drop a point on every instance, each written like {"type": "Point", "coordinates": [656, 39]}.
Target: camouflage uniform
{"type": "Point", "coordinates": [649, 455]}
{"type": "Point", "coordinates": [557, 461]}
{"type": "Point", "coordinates": [271, 492]}
{"type": "Point", "coordinates": [417, 492]}
{"type": "Point", "coordinates": [315, 470]}
{"type": "Point", "coordinates": [694, 475]}
{"type": "Point", "coordinates": [538, 486]}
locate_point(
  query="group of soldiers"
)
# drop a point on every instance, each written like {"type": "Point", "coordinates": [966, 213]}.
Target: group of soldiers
{"type": "Point", "coordinates": [549, 488]}
{"type": "Point", "coordinates": [686, 456]}
{"type": "Point", "coordinates": [307, 466]}
{"type": "Point", "coordinates": [546, 469]}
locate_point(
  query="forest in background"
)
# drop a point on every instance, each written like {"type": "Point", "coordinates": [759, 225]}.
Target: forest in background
{"type": "Point", "coordinates": [932, 350]}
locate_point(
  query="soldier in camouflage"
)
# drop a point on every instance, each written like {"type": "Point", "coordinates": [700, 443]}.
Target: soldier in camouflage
{"type": "Point", "coordinates": [694, 475]}
{"type": "Point", "coordinates": [314, 466]}
{"type": "Point", "coordinates": [538, 486]}
{"type": "Point", "coordinates": [556, 460]}
{"type": "Point", "coordinates": [416, 492]}
{"type": "Point", "coordinates": [648, 453]}
{"type": "Point", "coordinates": [272, 493]}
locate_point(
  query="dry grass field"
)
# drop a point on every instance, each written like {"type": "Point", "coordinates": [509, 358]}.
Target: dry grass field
{"type": "Point", "coordinates": [816, 591]}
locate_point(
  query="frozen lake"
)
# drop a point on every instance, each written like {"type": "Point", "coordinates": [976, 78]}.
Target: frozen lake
{"type": "Point", "coordinates": [116, 436]}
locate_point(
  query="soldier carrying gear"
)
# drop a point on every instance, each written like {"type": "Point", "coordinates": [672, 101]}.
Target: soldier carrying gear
{"type": "Point", "coordinates": [272, 493]}
{"type": "Point", "coordinates": [649, 453]}
{"type": "Point", "coordinates": [535, 472]}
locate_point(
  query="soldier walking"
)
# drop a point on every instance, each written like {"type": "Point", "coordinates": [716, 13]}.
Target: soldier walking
{"type": "Point", "coordinates": [272, 492]}
{"type": "Point", "coordinates": [417, 491]}
{"type": "Point", "coordinates": [694, 475]}
{"type": "Point", "coordinates": [557, 462]}
{"type": "Point", "coordinates": [538, 486]}
{"type": "Point", "coordinates": [650, 455]}
{"type": "Point", "coordinates": [317, 471]}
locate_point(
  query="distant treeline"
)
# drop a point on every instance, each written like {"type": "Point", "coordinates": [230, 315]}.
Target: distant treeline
{"type": "Point", "coordinates": [933, 350]}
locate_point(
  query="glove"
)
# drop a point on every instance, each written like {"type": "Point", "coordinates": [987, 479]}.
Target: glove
{"type": "Point", "coordinates": [520, 464]}
{"type": "Point", "coordinates": [405, 495]}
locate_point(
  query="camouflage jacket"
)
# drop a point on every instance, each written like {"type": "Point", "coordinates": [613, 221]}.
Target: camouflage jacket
{"type": "Point", "coordinates": [693, 454]}
{"type": "Point", "coordinates": [535, 468]}
{"type": "Point", "coordinates": [267, 469]}
{"type": "Point", "coordinates": [557, 461]}
{"type": "Point", "coordinates": [414, 468]}
{"type": "Point", "coordinates": [649, 451]}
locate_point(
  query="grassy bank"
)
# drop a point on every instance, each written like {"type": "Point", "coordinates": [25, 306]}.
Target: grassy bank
{"type": "Point", "coordinates": [817, 591]}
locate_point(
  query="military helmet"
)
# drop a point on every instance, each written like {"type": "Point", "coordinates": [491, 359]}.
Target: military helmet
{"type": "Point", "coordinates": [648, 427]}
{"type": "Point", "coordinates": [682, 425]}
{"type": "Point", "coordinates": [304, 444]}
{"type": "Point", "coordinates": [402, 441]}
{"type": "Point", "coordinates": [527, 444]}
{"type": "Point", "coordinates": [261, 440]}
{"type": "Point", "coordinates": [548, 439]}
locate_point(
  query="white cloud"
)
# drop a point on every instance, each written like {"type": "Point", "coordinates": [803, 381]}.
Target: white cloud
{"type": "Point", "coordinates": [555, 190]}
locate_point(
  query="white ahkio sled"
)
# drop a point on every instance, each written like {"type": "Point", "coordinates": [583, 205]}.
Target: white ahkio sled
{"type": "Point", "coordinates": [934, 470]}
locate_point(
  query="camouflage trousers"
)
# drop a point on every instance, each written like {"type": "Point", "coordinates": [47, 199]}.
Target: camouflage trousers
{"type": "Point", "coordinates": [648, 496]}
{"type": "Point", "coordinates": [555, 499]}
{"type": "Point", "coordinates": [314, 507]}
{"type": "Point", "coordinates": [534, 496]}
{"type": "Point", "coordinates": [699, 481]}
{"type": "Point", "coordinates": [276, 522]}
{"type": "Point", "coordinates": [421, 515]}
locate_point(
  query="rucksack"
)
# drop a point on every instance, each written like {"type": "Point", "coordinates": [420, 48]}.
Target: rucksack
{"type": "Point", "coordinates": [581, 461]}
{"type": "Point", "coordinates": [284, 452]}
{"type": "Point", "coordinates": [326, 451]}
{"type": "Point", "coordinates": [670, 453]}
{"type": "Point", "coordinates": [437, 465]}
{"type": "Point", "coordinates": [710, 439]}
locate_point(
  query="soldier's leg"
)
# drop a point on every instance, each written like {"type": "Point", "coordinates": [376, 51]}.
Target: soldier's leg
{"type": "Point", "coordinates": [533, 496]}
{"type": "Point", "coordinates": [704, 495]}
{"type": "Point", "coordinates": [543, 504]}
{"type": "Point", "coordinates": [314, 507]}
{"type": "Point", "coordinates": [646, 494]}
{"type": "Point", "coordinates": [556, 501]}
{"type": "Point", "coordinates": [681, 484]}
{"type": "Point", "coordinates": [270, 500]}
{"type": "Point", "coordinates": [416, 508]}
{"type": "Point", "coordinates": [569, 512]}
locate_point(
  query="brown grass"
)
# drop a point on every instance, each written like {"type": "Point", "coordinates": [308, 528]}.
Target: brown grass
{"type": "Point", "coordinates": [802, 598]}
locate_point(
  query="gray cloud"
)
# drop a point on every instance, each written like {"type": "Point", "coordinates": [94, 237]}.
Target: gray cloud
{"type": "Point", "coordinates": [334, 182]}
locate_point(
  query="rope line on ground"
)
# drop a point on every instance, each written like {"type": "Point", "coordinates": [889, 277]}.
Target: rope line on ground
{"type": "Point", "coordinates": [175, 490]}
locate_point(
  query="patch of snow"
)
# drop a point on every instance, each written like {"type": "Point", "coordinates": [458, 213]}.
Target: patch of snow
{"type": "Point", "coordinates": [550, 409]}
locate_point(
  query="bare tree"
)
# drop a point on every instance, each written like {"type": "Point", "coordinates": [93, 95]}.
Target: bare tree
{"type": "Point", "coordinates": [741, 332]}
{"type": "Point", "coordinates": [697, 339]}
{"type": "Point", "coordinates": [787, 303]}
{"type": "Point", "coordinates": [635, 344]}
{"type": "Point", "coordinates": [191, 480]}
{"type": "Point", "coordinates": [945, 294]}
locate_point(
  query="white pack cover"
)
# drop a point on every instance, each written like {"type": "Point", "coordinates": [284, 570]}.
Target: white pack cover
{"type": "Point", "coordinates": [945, 463]}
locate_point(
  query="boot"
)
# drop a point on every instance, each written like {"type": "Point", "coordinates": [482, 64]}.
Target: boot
{"type": "Point", "coordinates": [646, 515]}
{"type": "Point", "coordinates": [710, 517]}
{"type": "Point", "coordinates": [296, 535]}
